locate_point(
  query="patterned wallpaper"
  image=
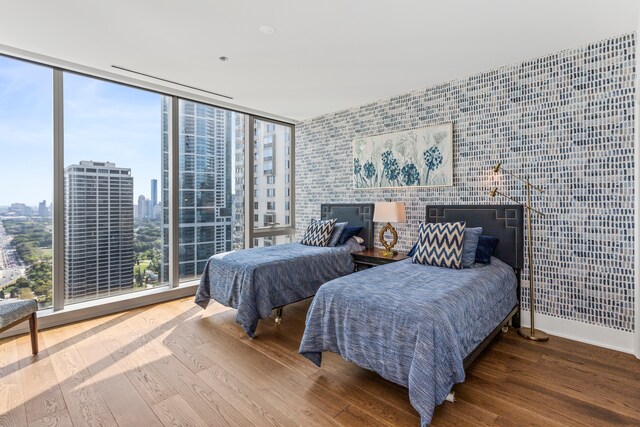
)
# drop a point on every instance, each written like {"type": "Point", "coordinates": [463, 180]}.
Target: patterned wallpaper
{"type": "Point", "coordinates": [565, 120]}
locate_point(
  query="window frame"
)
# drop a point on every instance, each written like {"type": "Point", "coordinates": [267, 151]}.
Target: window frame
{"type": "Point", "coordinates": [58, 285]}
{"type": "Point", "coordinates": [252, 231]}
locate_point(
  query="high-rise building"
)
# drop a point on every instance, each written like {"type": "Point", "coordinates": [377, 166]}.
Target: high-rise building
{"type": "Point", "coordinates": [205, 217]}
{"type": "Point", "coordinates": [272, 178]}
{"type": "Point", "coordinates": [154, 192]}
{"type": "Point", "coordinates": [42, 208]}
{"type": "Point", "coordinates": [142, 207]}
{"type": "Point", "coordinates": [98, 213]}
{"type": "Point", "coordinates": [239, 187]}
{"type": "Point", "coordinates": [157, 212]}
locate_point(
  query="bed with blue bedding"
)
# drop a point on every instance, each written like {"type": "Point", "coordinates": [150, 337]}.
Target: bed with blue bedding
{"type": "Point", "coordinates": [417, 325]}
{"type": "Point", "coordinates": [257, 280]}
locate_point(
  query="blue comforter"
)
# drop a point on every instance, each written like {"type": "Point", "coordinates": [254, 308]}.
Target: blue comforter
{"type": "Point", "coordinates": [256, 280]}
{"type": "Point", "coordinates": [412, 324]}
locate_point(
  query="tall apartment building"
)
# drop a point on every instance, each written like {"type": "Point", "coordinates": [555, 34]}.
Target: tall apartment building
{"type": "Point", "coordinates": [98, 211]}
{"type": "Point", "coordinates": [142, 211]}
{"type": "Point", "coordinates": [42, 208]}
{"type": "Point", "coordinates": [205, 215]}
{"type": "Point", "coordinates": [272, 179]}
{"type": "Point", "coordinates": [154, 192]}
{"type": "Point", "coordinates": [239, 184]}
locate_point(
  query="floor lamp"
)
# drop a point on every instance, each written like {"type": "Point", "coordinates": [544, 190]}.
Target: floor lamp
{"type": "Point", "coordinates": [530, 332]}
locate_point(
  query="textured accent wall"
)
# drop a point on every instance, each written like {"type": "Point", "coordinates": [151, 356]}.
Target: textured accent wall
{"type": "Point", "coordinates": [565, 120]}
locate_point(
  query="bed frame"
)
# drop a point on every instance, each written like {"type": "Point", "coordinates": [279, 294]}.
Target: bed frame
{"type": "Point", "coordinates": [505, 222]}
{"type": "Point", "coordinates": [357, 215]}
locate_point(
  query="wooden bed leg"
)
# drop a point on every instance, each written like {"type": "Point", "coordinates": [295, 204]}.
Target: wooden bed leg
{"type": "Point", "coordinates": [278, 318]}
{"type": "Point", "coordinates": [33, 329]}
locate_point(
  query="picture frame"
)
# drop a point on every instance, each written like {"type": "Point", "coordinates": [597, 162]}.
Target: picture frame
{"type": "Point", "coordinates": [420, 157]}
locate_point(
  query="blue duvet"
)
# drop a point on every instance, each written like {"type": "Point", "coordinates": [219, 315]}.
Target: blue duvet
{"type": "Point", "coordinates": [256, 280]}
{"type": "Point", "coordinates": [412, 324]}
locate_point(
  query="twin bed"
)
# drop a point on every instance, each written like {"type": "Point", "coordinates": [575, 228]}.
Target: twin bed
{"type": "Point", "coordinates": [258, 280]}
{"type": "Point", "coordinates": [416, 325]}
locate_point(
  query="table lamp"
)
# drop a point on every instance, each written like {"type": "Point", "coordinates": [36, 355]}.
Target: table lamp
{"type": "Point", "coordinates": [389, 212]}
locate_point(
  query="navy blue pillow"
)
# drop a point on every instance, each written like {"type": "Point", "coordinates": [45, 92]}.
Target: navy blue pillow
{"type": "Point", "coordinates": [486, 246]}
{"type": "Point", "coordinates": [348, 233]}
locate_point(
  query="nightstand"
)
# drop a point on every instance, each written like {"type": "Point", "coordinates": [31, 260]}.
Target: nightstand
{"type": "Point", "coordinates": [373, 257]}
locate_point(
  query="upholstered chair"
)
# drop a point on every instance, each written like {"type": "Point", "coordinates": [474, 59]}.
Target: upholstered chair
{"type": "Point", "coordinates": [17, 311]}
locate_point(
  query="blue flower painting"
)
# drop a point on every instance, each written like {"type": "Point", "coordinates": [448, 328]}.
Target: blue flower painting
{"type": "Point", "coordinates": [414, 158]}
{"type": "Point", "coordinates": [410, 175]}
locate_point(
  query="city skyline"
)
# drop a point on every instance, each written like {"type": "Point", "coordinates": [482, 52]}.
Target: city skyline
{"type": "Point", "coordinates": [116, 151]}
{"type": "Point", "coordinates": [38, 204]}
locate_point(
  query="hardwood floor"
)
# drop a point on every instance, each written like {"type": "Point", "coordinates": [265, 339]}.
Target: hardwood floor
{"type": "Point", "coordinates": [174, 364]}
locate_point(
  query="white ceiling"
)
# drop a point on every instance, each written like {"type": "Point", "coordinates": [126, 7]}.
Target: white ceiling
{"type": "Point", "coordinates": [325, 56]}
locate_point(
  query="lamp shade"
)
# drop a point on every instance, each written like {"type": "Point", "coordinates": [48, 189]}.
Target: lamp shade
{"type": "Point", "coordinates": [389, 212]}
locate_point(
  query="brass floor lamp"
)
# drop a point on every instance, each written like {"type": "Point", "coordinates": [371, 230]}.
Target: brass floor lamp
{"type": "Point", "coordinates": [529, 333]}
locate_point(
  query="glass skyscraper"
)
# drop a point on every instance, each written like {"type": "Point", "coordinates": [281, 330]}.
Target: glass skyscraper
{"type": "Point", "coordinates": [205, 206]}
{"type": "Point", "coordinates": [154, 193]}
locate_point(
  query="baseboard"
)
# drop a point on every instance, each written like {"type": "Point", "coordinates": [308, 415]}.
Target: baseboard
{"type": "Point", "coordinates": [583, 332]}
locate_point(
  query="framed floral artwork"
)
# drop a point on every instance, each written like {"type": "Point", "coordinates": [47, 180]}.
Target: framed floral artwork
{"type": "Point", "coordinates": [414, 158]}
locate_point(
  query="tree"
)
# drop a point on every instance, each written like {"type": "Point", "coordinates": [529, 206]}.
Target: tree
{"type": "Point", "coordinates": [1, 294]}
{"type": "Point", "coordinates": [21, 282]}
{"type": "Point", "coordinates": [139, 277]}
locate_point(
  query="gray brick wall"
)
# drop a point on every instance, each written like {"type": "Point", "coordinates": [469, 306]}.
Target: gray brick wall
{"type": "Point", "coordinates": [565, 120]}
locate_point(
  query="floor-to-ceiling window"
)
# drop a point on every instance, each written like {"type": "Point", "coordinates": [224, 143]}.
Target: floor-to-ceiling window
{"type": "Point", "coordinates": [208, 151]}
{"type": "Point", "coordinates": [122, 189]}
{"type": "Point", "coordinates": [272, 201]}
{"type": "Point", "coordinates": [112, 215]}
{"type": "Point", "coordinates": [25, 181]}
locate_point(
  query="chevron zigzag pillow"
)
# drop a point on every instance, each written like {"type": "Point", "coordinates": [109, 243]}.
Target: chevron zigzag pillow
{"type": "Point", "coordinates": [319, 232]}
{"type": "Point", "coordinates": [440, 244]}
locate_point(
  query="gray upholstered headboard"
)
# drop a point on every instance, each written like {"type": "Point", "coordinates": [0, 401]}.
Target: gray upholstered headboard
{"type": "Point", "coordinates": [356, 214]}
{"type": "Point", "coordinates": [505, 222]}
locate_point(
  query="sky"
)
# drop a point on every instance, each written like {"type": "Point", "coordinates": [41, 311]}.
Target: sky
{"type": "Point", "coordinates": [103, 122]}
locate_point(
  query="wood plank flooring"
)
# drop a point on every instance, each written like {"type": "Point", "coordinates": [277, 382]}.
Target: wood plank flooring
{"type": "Point", "coordinates": [174, 364]}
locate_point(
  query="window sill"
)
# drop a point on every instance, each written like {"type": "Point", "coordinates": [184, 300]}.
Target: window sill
{"type": "Point", "coordinates": [86, 310]}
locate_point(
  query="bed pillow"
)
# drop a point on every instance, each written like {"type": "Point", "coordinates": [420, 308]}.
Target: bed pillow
{"type": "Point", "coordinates": [348, 233]}
{"type": "Point", "coordinates": [354, 246]}
{"type": "Point", "coordinates": [470, 245]}
{"type": "Point", "coordinates": [319, 232]}
{"type": "Point", "coordinates": [486, 246]}
{"type": "Point", "coordinates": [337, 231]}
{"type": "Point", "coordinates": [440, 244]}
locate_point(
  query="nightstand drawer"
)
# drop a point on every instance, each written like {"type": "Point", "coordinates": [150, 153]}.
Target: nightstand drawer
{"type": "Point", "coordinates": [374, 257]}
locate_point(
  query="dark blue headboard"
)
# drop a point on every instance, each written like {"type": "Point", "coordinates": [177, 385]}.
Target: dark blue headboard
{"type": "Point", "coordinates": [356, 214]}
{"type": "Point", "coordinates": [505, 222]}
